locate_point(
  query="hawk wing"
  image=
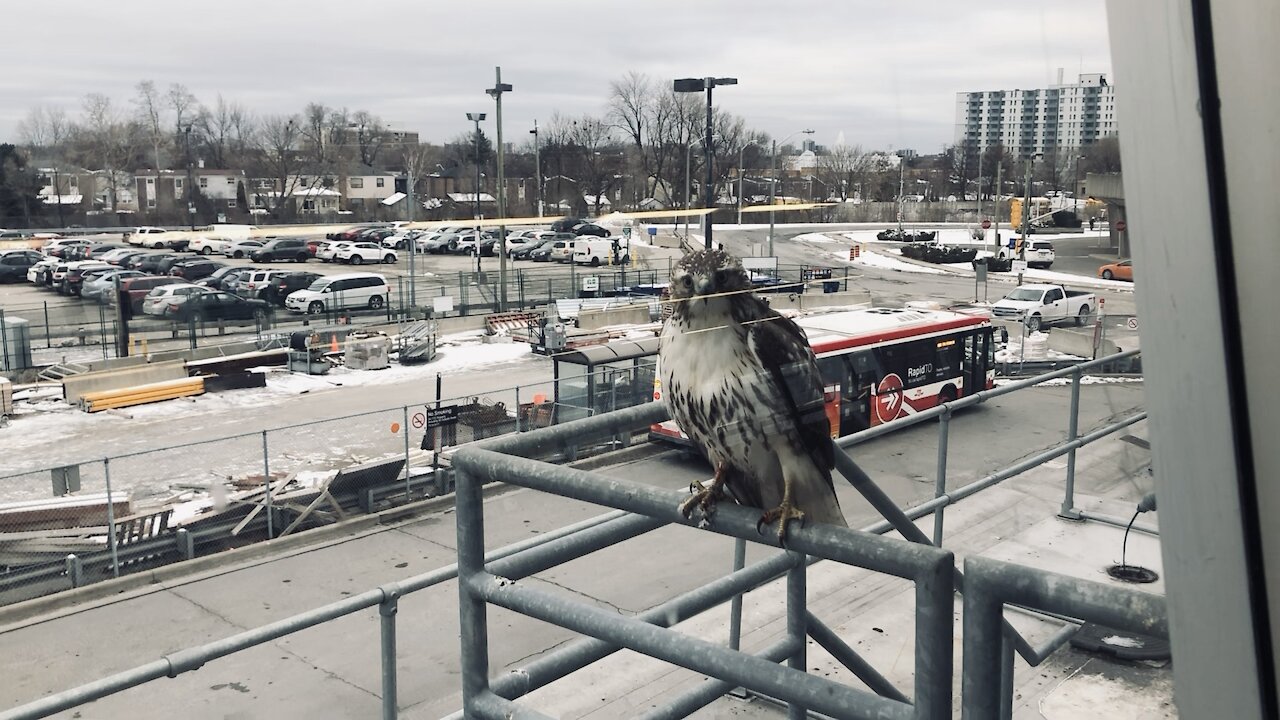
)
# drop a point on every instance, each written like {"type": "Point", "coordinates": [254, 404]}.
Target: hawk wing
{"type": "Point", "coordinates": [783, 351]}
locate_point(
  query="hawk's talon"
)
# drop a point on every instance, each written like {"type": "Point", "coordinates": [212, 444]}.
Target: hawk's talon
{"type": "Point", "coordinates": [704, 497]}
{"type": "Point", "coordinates": [784, 514]}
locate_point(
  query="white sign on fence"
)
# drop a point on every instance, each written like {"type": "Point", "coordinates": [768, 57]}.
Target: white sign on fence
{"type": "Point", "coordinates": [1019, 266]}
{"type": "Point", "coordinates": [442, 303]}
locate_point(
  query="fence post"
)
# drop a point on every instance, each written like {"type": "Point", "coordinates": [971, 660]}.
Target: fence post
{"type": "Point", "coordinates": [4, 338]}
{"type": "Point", "coordinates": [797, 630]}
{"type": "Point", "coordinates": [266, 483]}
{"type": "Point", "coordinates": [186, 544]}
{"type": "Point", "coordinates": [735, 605]}
{"type": "Point", "coordinates": [405, 429]}
{"type": "Point", "coordinates": [518, 427]}
{"type": "Point", "coordinates": [75, 570]}
{"type": "Point", "coordinates": [48, 331]}
{"type": "Point", "coordinates": [940, 483]}
{"type": "Point", "coordinates": [387, 611]}
{"type": "Point", "coordinates": [111, 519]}
{"type": "Point", "coordinates": [1068, 509]}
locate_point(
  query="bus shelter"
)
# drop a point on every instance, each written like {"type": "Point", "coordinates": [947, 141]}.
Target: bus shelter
{"type": "Point", "coordinates": [600, 378]}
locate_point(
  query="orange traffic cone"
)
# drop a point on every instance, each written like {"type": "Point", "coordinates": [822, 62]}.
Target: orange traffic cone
{"type": "Point", "coordinates": [333, 344]}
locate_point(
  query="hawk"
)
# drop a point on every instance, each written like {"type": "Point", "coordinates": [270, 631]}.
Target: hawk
{"type": "Point", "coordinates": [742, 382]}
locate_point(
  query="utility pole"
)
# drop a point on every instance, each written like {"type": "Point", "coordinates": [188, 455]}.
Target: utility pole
{"type": "Point", "coordinates": [413, 242]}
{"type": "Point", "coordinates": [496, 92]}
{"type": "Point", "coordinates": [995, 203]}
{"type": "Point", "coordinates": [1026, 216]}
{"type": "Point", "coordinates": [537, 166]}
{"type": "Point", "coordinates": [700, 85]}
{"type": "Point", "coordinates": [773, 180]}
{"type": "Point", "coordinates": [477, 118]}
{"type": "Point", "coordinates": [902, 170]}
{"type": "Point", "coordinates": [191, 205]}
{"type": "Point", "coordinates": [57, 193]}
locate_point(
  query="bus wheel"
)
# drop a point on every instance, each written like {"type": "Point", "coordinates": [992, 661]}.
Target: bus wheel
{"type": "Point", "coordinates": [946, 395]}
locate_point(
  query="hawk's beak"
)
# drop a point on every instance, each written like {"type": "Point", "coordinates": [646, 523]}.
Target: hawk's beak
{"type": "Point", "coordinates": [703, 286]}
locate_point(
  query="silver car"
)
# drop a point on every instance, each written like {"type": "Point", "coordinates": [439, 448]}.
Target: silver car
{"type": "Point", "coordinates": [165, 300]}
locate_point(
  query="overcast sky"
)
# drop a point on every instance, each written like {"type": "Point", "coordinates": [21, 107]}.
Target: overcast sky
{"type": "Point", "coordinates": [883, 74]}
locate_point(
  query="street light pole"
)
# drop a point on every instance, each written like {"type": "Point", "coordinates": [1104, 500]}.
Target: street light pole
{"type": "Point", "coordinates": [537, 166]}
{"type": "Point", "coordinates": [699, 85]}
{"type": "Point", "coordinates": [1075, 189]}
{"type": "Point", "coordinates": [741, 154]}
{"type": "Point", "coordinates": [191, 205]}
{"type": "Point", "coordinates": [1026, 213]}
{"type": "Point", "coordinates": [773, 181]}
{"type": "Point", "coordinates": [496, 92]}
{"type": "Point", "coordinates": [477, 118]}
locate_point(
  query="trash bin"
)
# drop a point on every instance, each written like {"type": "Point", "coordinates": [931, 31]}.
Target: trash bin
{"type": "Point", "coordinates": [830, 286]}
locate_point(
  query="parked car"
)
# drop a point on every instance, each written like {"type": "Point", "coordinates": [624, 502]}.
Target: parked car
{"type": "Point", "coordinates": [15, 264]}
{"type": "Point", "coordinates": [123, 261]}
{"type": "Point", "coordinates": [191, 270]}
{"type": "Point", "coordinates": [254, 284]}
{"type": "Point", "coordinates": [225, 278]}
{"type": "Point", "coordinates": [1122, 270]}
{"type": "Point", "coordinates": [565, 224]}
{"type": "Point", "coordinates": [40, 273]}
{"type": "Point", "coordinates": [99, 284]}
{"type": "Point", "coordinates": [60, 249]}
{"type": "Point", "coordinates": [314, 245]}
{"type": "Point", "coordinates": [217, 305]}
{"type": "Point", "coordinates": [163, 301]}
{"type": "Point", "coordinates": [364, 252]}
{"type": "Point", "coordinates": [147, 236]}
{"type": "Point", "coordinates": [562, 250]}
{"type": "Point", "coordinates": [70, 281]}
{"type": "Point", "coordinates": [139, 287]}
{"type": "Point", "coordinates": [288, 283]}
{"type": "Point", "coordinates": [542, 253]}
{"type": "Point", "coordinates": [205, 245]}
{"type": "Point", "coordinates": [104, 251]}
{"type": "Point", "coordinates": [148, 263]}
{"type": "Point", "coordinates": [326, 253]}
{"type": "Point", "coordinates": [352, 232]}
{"type": "Point", "coordinates": [525, 250]}
{"type": "Point", "coordinates": [164, 265]}
{"type": "Point", "coordinates": [338, 292]}
{"type": "Point", "coordinates": [282, 249]}
{"type": "Point", "coordinates": [438, 243]}
{"type": "Point", "coordinates": [603, 251]}
{"type": "Point", "coordinates": [241, 248]}
{"type": "Point", "coordinates": [590, 229]}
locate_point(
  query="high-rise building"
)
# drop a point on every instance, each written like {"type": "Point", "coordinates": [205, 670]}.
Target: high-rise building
{"type": "Point", "coordinates": [1059, 117]}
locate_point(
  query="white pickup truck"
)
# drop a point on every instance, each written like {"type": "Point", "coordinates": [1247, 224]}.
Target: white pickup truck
{"type": "Point", "coordinates": [1041, 304]}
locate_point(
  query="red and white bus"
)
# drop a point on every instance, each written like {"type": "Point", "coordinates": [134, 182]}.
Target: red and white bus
{"type": "Point", "coordinates": [880, 364]}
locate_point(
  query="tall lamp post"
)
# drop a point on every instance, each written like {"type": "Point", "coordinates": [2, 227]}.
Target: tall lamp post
{"type": "Point", "coordinates": [773, 180]}
{"type": "Point", "coordinates": [1075, 189]}
{"type": "Point", "coordinates": [741, 171]}
{"type": "Point", "coordinates": [495, 92]}
{"type": "Point", "coordinates": [477, 118]}
{"type": "Point", "coordinates": [699, 85]}
{"type": "Point", "coordinates": [537, 166]}
{"type": "Point", "coordinates": [191, 204]}
{"type": "Point", "coordinates": [1026, 211]}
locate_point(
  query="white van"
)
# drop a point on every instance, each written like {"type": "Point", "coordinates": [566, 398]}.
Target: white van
{"type": "Point", "coordinates": [599, 251]}
{"type": "Point", "coordinates": [338, 292]}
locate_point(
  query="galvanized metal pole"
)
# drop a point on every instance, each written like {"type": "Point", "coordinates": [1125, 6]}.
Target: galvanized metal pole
{"type": "Point", "coordinates": [1006, 678]}
{"type": "Point", "coordinates": [773, 190]}
{"type": "Point", "coordinates": [111, 519]}
{"type": "Point", "coordinates": [796, 626]}
{"type": "Point", "coordinates": [472, 608]}
{"type": "Point", "coordinates": [496, 92]}
{"type": "Point", "coordinates": [387, 612]}
{"type": "Point", "coordinates": [1068, 509]}
{"type": "Point", "coordinates": [707, 152]}
{"type": "Point", "coordinates": [940, 482]}
{"type": "Point", "coordinates": [266, 483]}
{"type": "Point", "coordinates": [735, 605]}
{"type": "Point", "coordinates": [405, 429]}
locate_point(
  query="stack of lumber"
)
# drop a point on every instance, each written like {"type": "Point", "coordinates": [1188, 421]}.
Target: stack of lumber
{"type": "Point", "coordinates": [141, 394]}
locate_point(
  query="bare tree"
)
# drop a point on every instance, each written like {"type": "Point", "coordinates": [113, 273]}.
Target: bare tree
{"type": "Point", "coordinates": [182, 102]}
{"type": "Point", "coordinates": [278, 138]}
{"type": "Point", "coordinates": [846, 168]}
{"type": "Point", "coordinates": [630, 107]}
{"type": "Point", "coordinates": [150, 113]}
{"type": "Point", "coordinates": [601, 157]}
{"type": "Point", "coordinates": [111, 141]}
{"type": "Point", "coordinates": [222, 131]}
{"type": "Point", "coordinates": [370, 136]}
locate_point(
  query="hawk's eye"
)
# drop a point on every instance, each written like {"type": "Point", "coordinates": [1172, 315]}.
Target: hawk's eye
{"type": "Point", "coordinates": [686, 281]}
{"type": "Point", "coordinates": [722, 278]}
